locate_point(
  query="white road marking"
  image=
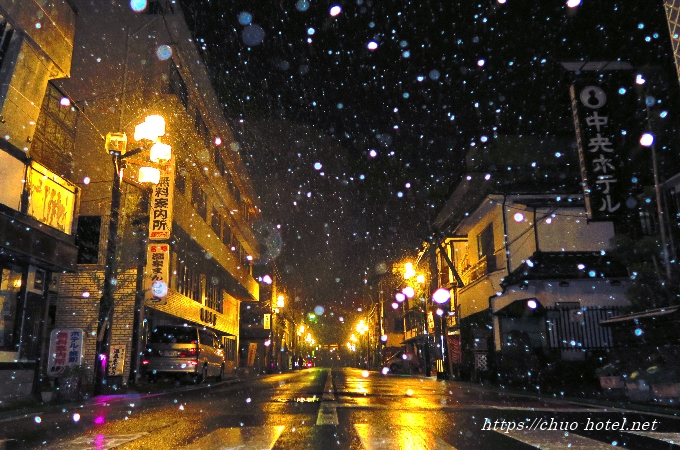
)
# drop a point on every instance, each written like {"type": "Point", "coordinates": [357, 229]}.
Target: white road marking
{"type": "Point", "coordinates": [328, 414]}
{"type": "Point", "coordinates": [250, 438]}
{"type": "Point", "coordinates": [99, 441]}
{"type": "Point", "coordinates": [671, 438]}
{"type": "Point", "coordinates": [451, 408]}
{"type": "Point", "coordinates": [391, 437]}
{"type": "Point", "coordinates": [328, 391]}
{"type": "Point", "coordinates": [555, 440]}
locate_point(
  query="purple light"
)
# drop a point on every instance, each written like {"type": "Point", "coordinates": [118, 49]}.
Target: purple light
{"type": "Point", "coordinates": [99, 420]}
{"type": "Point", "coordinates": [400, 297]}
{"type": "Point", "coordinates": [647, 140]}
{"type": "Point", "coordinates": [441, 295]}
{"type": "Point", "coordinates": [531, 304]}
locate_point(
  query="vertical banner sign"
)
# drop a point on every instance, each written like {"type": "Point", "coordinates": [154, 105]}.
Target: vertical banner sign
{"type": "Point", "coordinates": [66, 350]}
{"type": "Point", "coordinates": [598, 149]}
{"type": "Point", "coordinates": [117, 360]}
{"type": "Point", "coordinates": [157, 274]}
{"type": "Point", "coordinates": [453, 342]}
{"type": "Point", "coordinates": [160, 208]}
{"type": "Point", "coordinates": [252, 350]}
{"type": "Point", "coordinates": [267, 321]}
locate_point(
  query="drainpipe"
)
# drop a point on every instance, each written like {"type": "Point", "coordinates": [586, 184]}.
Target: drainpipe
{"type": "Point", "coordinates": [505, 237]}
{"type": "Point", "coordinates": [535, 230]}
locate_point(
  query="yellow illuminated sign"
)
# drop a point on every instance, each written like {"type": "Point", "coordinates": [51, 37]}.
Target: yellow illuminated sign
{"type": "Point", "coordinates": [51, 198]}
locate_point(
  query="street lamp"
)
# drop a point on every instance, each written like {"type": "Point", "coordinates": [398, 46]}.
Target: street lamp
{"type": "Point", "coordinates": [362, 328]}
{"type": "Point", "coordinates": [441, 296]}
{"type": "Point", "coordinates": [146, 133]}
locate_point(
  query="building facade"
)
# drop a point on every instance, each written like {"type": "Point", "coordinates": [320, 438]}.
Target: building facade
{"type": "Point", "coordinates": [37, 204]}
{"type": "Point", "coordinates": [191, 232]}
{"type": "Point", "coordinates": [536, 276]}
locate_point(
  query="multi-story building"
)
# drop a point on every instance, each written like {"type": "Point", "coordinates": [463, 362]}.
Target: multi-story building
{"type": "Point", "coordinates": [192, 231]}
{"type": "Point", "coordinates": [536, 274]}
{"type": "Point", "coordinates": [36, 203]}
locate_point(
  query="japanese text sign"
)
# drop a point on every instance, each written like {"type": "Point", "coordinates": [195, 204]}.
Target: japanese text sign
{"type": "Point", "coordinates": [599, 150]}
{"type": "Point", "coordinates": [160, 208]}
{"type": "Point", "coordinates": [66, 349]}
{"type": "Point", "coordinates": [157, 273]}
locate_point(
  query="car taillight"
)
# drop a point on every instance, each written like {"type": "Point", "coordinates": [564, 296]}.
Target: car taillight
{"type": "Point", "coordinates": [193, 363]}
{"type": "Point", "coordinates": [187, 353]}
{"type": "Point", "coordinates": [145, 361]}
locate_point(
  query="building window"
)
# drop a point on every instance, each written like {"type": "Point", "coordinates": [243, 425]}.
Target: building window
{"type": "Point", "coordinates": [87, 239]}
{"type": "Point", "coordinates": [398, 325]}
{"type": "Point", "coordinates": [226, 235]}
{"type": "Point", "coordinates": [202, 293]}
{"type": "Point", "coordinates": [646, 223]}
{"type": "Point", "coordinates": [213, 297]}
{"type": "Point", "coordinates": [188, 281]}
{"type": "Point", "coordinates": [219, 162]}
{"type": "Point", "coordinates": [485, 247]}
{"type": "Point", "coordinates": [180, 177]}
{"type": "Point", "coordinates": [199, 200]}
{"type": "Point", "coordinates": [176, 86]}
{"type": "Point", "coordinates": [6, 33]}
{"type": "Point", "coordinates": [10, 287]}
{"type": "Point", "coordinates": [54, 138]}
{"type": "Point", "coordinates": [230, 349]}
{"type": "Point", "coordinates": [216, 222]}
{"type": "Point", "coordinates": [201, 128]}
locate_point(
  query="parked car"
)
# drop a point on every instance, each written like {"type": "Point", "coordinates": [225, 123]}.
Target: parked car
{"type": "Point", "coordinates": [184, 350]}
{"type": "Point", "coordinates": [401, 362]}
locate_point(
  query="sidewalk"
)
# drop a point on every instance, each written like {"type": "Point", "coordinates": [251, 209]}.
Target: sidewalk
{"type": "Point", "coordinates": [15, 410]}
{"type": "Point", "coordinates": [623, 404]}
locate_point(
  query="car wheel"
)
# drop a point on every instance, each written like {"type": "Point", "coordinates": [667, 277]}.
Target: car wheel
{"type": "Point", "coordinates": [394, 368]}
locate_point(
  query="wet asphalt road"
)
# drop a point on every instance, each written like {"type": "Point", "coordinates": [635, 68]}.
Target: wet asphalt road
{"type": "Point", "coordinates": [345, 408]}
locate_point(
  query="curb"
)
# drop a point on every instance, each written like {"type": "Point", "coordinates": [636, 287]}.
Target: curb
{"type": "Point", "coordinates": [614, 405]}
{"type": "Point", "coordinates": [24, 410]}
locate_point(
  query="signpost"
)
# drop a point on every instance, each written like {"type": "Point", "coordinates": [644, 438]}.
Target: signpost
{"type": "Point", "coordinates": [66, 350]}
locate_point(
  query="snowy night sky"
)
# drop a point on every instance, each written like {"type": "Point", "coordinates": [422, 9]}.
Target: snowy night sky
{"type": "Point", "coordinates": [355, 126]}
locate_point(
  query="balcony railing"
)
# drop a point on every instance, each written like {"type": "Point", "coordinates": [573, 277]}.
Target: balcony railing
{"type": "Point", "coordinates": [475, 272]}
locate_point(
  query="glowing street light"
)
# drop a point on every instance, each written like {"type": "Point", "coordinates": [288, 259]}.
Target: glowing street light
{"type": "Point", "coordinates": [441, 295]}
{"type": "Point", "coordinates": [148, 134]}
{"type": "Point", "coordinates": [408, 271]}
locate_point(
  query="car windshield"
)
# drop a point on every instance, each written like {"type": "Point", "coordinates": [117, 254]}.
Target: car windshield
{"type": "Point", "coordinates": [173, 335]}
